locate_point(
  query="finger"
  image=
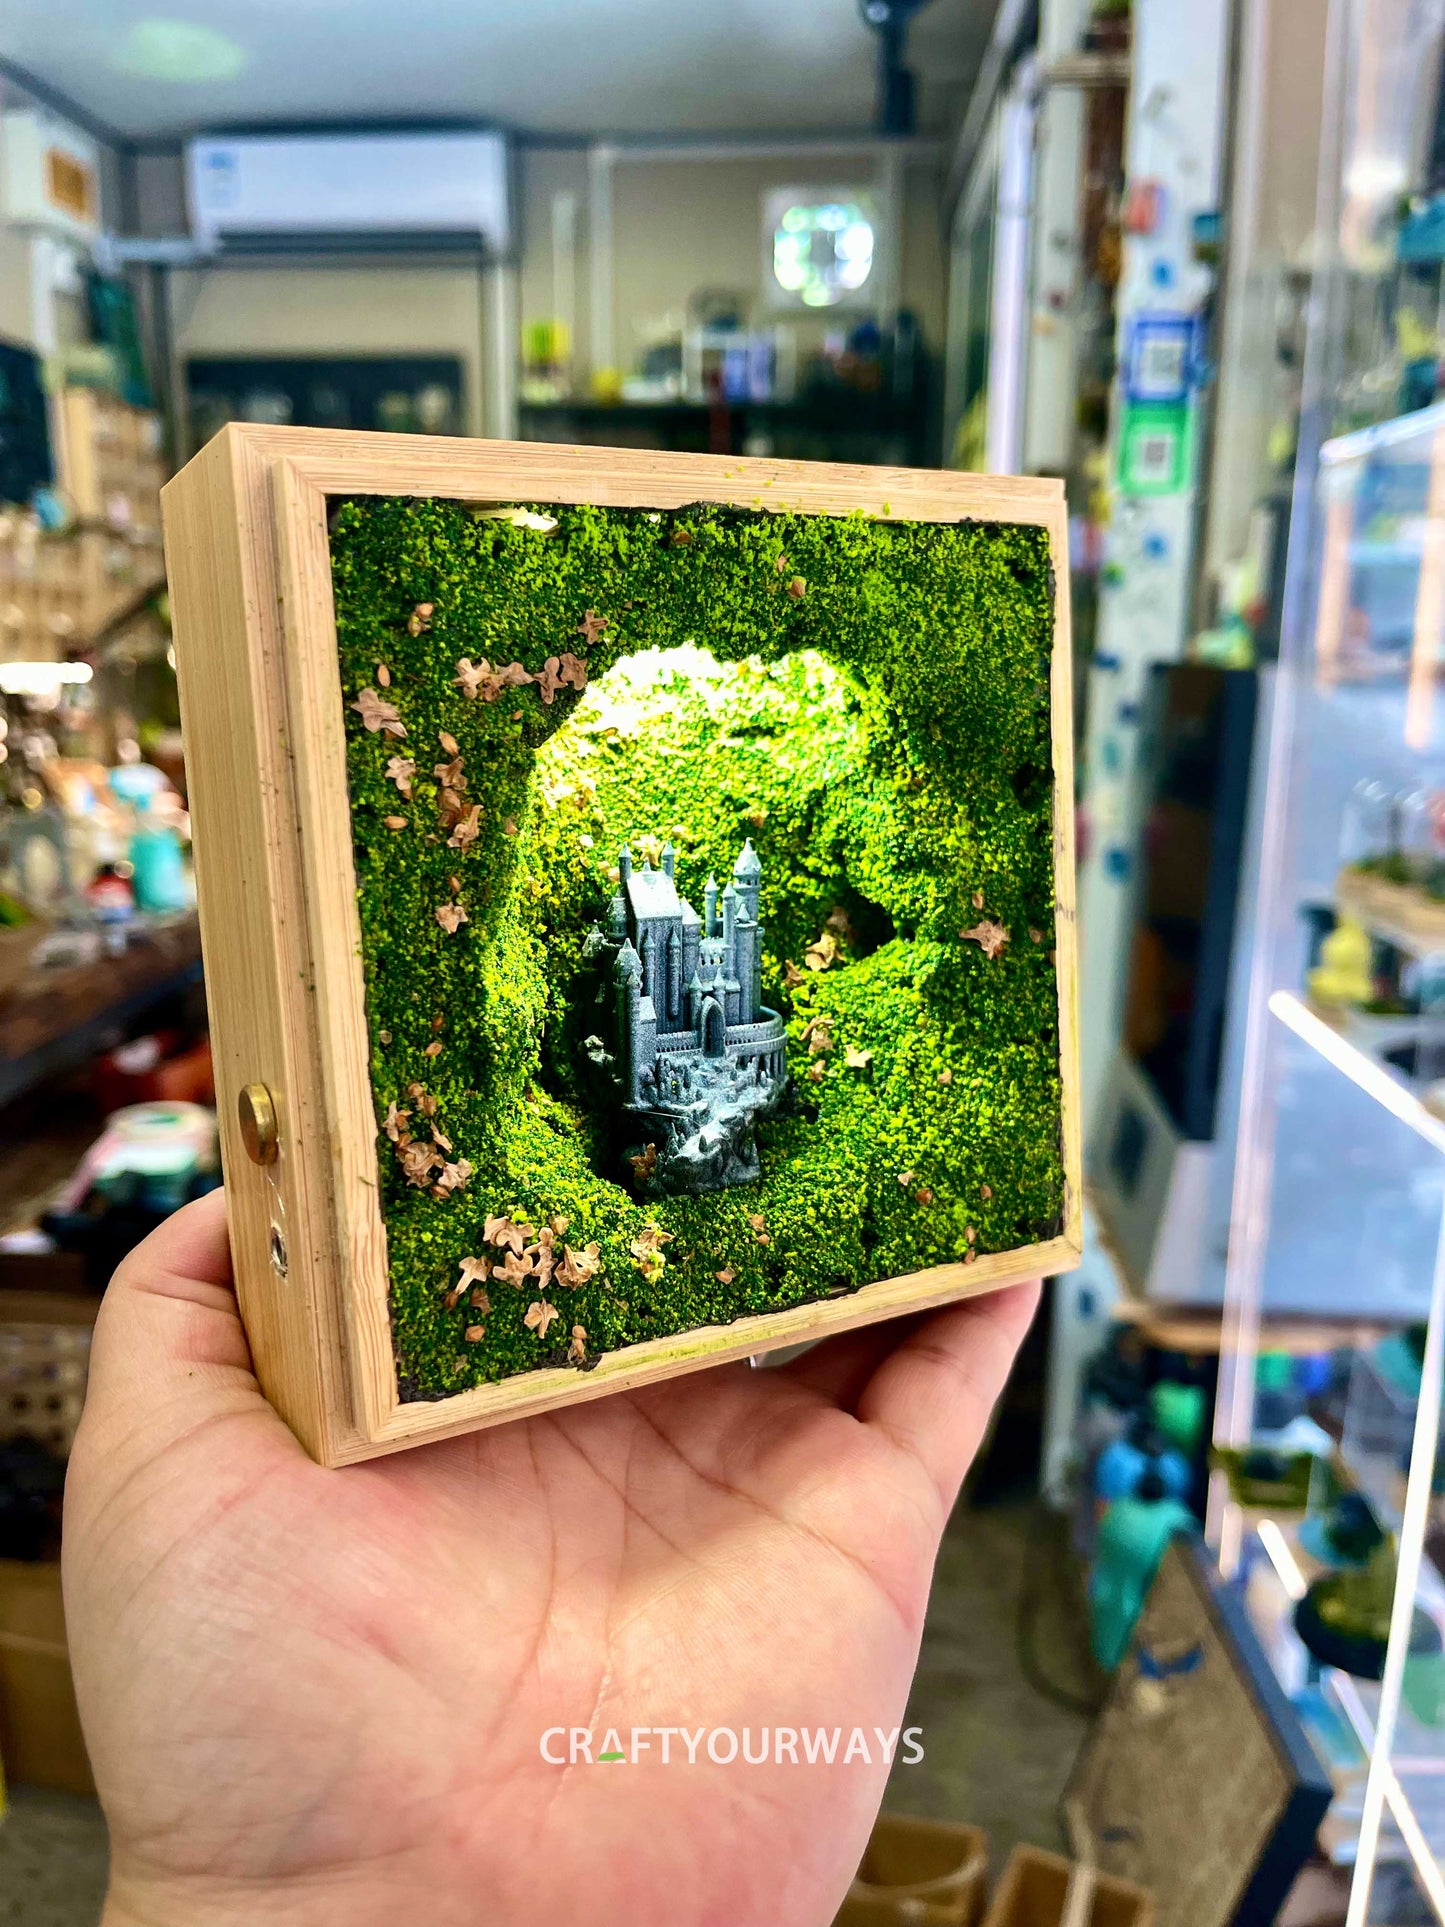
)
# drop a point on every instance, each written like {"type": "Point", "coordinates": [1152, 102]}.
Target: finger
{"type": "Point", "coordinates": [839, 1368]}
{"type": "Point", "coordinates": [933, 1394]}
{"type": "Point", "coordinates": [169, 1316]}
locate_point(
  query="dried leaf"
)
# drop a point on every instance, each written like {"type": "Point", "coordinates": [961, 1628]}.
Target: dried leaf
{"type": "Point", "coordinates": [781, 565]}
{"type": "Point", "coordinates": [758, 1221]}
{"type": "Point", "coordinates": [577, 1350]}
{"type": "Point", "coordinates": [971, 1235]}
{"type": "Point", "coordinates": [434, 1048]}
{"type": "Point", "coordinates": [475, 1270]}
{"type": "Point", "coordinates": [945, 1078]}
{"type": "Point", "coordinates": [506, 1235]}
{"type": "Point", "coordinates": [978, 899]}
{"type": "Point", "coordinates": [990, 937]}
{"type": "Point", "coordinates": [418, 1160]}
{"type": "Point", "coordinates": [969, 1257]}
{"type": "Point", "coordinates": [548, 679]}
{"type": "Point", "coordinates": [559, 1225]}
{"type": "Point", "coordinates": [400, 770]}
{"type": "Point", "coordinates": [985, 1191]}
{"type": "Point", "coordinates": [539, 1317]}
{"type": "Point", "coordinates": [449, 916]}
{"type": "Point", "coordinates": [474, 679]}
{"type": "Point", "coordinates": [383, 675]}
{"type": "Point", "coordinates": [905, 1178]}
{"type": "Point", "coordinates": [377, 714]}
{"type": "Point", "coordinates": [509, 826]}
{"type": "Point", "coordinates": [817, 1071]}
{"type": "Point", "coordinates": [792, 976]}
{"type": "Point", "coordinates": [591, 626]}
{"type": "Point", "coordinates": [645, 1163]}
{"type": "Point", "coordinates": [454, 1176]}
{"type": "Point", "coordinates": [419, 621]}
{"type": "Point", "coordinates": [819, 955]}
{"type": "Point", "coordinates": [394, 822]}
{"type": "Point", "coordinates": [797, 588]}
{"type": "Point", "coordinates": [572, 670]}
{"type": "Point", "coordinates": [726, 1275]}
{"type": "Point", "coordinates": [1035, 936]}
{"type": "Point", "coordinates": [855, 1059]}
{"type": "Point", "coordinates": [394, 1123]}
{"type": "Point", "coordinates": [475, 1334]}
{"type": "Point", "coordinates": [923, 1195]}
{"type": "Point", "coordinates": [480, 1301]}
{"type": "Point", "coordinates": [448, 742]}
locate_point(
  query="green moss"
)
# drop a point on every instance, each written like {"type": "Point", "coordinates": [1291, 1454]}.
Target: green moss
{"type": "Point", "coordinates": [884, 740]}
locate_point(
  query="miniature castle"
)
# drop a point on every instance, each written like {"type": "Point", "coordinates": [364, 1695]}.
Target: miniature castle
{"type": "Point", "coordinates": [698, 1058]}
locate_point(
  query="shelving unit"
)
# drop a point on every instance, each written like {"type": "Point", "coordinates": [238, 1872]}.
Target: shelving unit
{"type": "Point", "coordinates": [1340, 1168]}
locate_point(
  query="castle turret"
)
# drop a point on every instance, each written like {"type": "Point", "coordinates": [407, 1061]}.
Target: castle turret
{"type": "Point", "coordinates": [747, 966]}
{"type": "Point", "coordinates": [617, 917]}
{"type": "Point", "coordinates": [709, 904]}
{"type": "Point", "coordinates": [691, 934]}
{"type": "Point", "coordinates": [669, 860]}
{"type": "Point", "coordinates": [747, 876]}
{"type": "Point", "coordinates": [624, 864]}
{"type": "Point", "coordinates": [627, 975]}
{"type": "Point", "coordinates": [674, 977]}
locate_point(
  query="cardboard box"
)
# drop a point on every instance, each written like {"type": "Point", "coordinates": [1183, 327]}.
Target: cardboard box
{"type": "Point", "coordinates": [928, 1871]}
{"type": "Point", "coordinates": [40, 1737]}
{"type": "Point", "coordinates": [1034, 1892]}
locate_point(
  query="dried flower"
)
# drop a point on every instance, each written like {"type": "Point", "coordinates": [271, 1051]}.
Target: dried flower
{"type": "Point", "coordinates": [539, 1317]}
{"type": "Point", "coordinates": [969, 1256]}
{"type": "Point", "coordinates": [383, 675]}
{"type": "Point", "coordinates": [855, 1059]}
{"type": "Point", "coordinates": [990, 937]}
{"type": "Point", "coordinates": [394, 822]}
{"type": "Point", "coordinates": [577, 1350]}
{"type": "Point", "coordinates": [548, 679]}
{"type": "Point", "coordinates": [454, 1176]}
{"type": "Point", "coordinates": [726, 1275]}
{"type": "Point", "coordinates": [475, 1334]}
{"type": "Point", "coordinates": [971, 1235]}
{"type": "Point", "coordinates": [509, 826]}
{"type": "Point", "coordinates": [471, 677]}
{"type": "Point", "coordinates": [466, 829]}
{"type": "Point", "coordinates": [474, 1270]}
{"type": "Point", "coordinates": [644, 1165]}
{"type": "Point", "coordinates": [945, 1078]}
{"type": "Point", "coordinates": [817, 1071]}
{"type": "Point", "coordinates": [434, 1048]}
{"type": "Point", "coordinates": [506, 1235]}
{"type": "Point", "coordinates": [923, 1195]}
{"type": "Point", "coordinates": [400, 770]}
{"type": "Point", "coordinates": [394, 1123]}
{"type": "Point", "coordinates": [781, 565]}
{"type": "Point", "coordinates": [448, 743]}
{"type": "Point", "coordinates": [418, 1161]}
{"type": "Point", "coordinates": [591, 626]}
{"type": "Point", "coordinates": [819, 955]}
{"type": "Point", "coordinates": [797, 588]}
{"type": "Point", "coordinates": [572, 670]}
{"type": "Point", "coordinates": [578, 1266]}
{"type": "Point", "coordinates": [978, 899]}
{"type": "Point", "coordinates": [758, 1221]}
{"type": "Point", "coordinates": [792, 976]}
{"type": "Point", "coordinates": [480, 1301]}
{"type": "Point", "coordinates": [449, 916]}
{"type": "Point", "coordinates": [905, 1178]}
{"type": "Point", "coordinates": [419, 621]}
{"type": "Point", "coordinates": [516, 1268]}
{"type": "Point", "coordinates": [377, 714]}
{"type": "Point", "coordinates": [559, 1225]}
{"type": "Point", "coordinates": [985, 1191]}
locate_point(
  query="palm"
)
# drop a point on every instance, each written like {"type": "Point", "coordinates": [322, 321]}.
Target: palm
{"type": "Point", "coordinates": [332, 1687]}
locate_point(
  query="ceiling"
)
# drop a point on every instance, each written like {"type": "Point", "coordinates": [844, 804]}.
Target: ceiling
{"type": "Point", "coordinates": [630, 67]}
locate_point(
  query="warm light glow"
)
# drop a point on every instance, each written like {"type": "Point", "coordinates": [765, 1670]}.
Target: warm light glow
{"type": "Point", "coordinates": [41, 678]}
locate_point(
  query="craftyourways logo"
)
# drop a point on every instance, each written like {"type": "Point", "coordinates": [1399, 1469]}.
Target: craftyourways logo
{"type": "Point", "coordinates": [723, 1745]}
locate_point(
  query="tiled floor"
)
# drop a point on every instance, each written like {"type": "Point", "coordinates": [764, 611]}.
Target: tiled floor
{"type": "Point", "coordinates": [996, 1751]}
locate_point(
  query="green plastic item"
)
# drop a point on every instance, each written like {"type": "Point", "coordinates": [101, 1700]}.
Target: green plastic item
{"type": "Point", "coordinates": [1274, 1372]}
{"type": "Point", "coordinates": [1133, 1535]}
{"type": "Point", "coordinates": [1178, 1412]}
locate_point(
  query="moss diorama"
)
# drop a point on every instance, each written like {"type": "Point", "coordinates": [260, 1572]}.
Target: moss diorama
{"type": "Point", "coordinates": [602, 1116]}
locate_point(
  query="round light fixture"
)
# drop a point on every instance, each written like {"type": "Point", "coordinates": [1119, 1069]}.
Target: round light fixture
{"type": "Point", "coordinates": [180, 51]}
{"type": "Point", "coordinates": [822, 251]}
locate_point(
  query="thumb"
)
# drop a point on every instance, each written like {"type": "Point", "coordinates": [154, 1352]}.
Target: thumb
{"type": "Point", "coordinates": [169, 1352]}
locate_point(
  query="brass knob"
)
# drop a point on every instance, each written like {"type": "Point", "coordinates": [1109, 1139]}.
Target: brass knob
{"type": "Point", "coordinates": [257, 1112]}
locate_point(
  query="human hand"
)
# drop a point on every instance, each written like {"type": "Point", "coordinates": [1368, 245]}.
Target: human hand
{"type": "Point", "coordinates": [316, 1697]}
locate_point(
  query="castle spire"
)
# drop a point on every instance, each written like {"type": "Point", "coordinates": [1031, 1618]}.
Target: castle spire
{"type": "Point", "coordinates": [624, 863]}
{"type": "Point", "coordinates": [709, 900]}
{"type": "Point", "coordinates": [669, 860]}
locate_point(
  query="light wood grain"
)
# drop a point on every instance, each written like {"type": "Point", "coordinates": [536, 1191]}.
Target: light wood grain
{"type": "Point", "coordinates": [256, 645]}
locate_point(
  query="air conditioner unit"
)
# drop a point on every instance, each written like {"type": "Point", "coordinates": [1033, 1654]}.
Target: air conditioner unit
{"type": "Point", "coordinates": [331, 189]}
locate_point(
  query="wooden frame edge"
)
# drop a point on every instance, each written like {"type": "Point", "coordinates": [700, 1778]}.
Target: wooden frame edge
{"type": "Point", "coordinates": [303, 469]}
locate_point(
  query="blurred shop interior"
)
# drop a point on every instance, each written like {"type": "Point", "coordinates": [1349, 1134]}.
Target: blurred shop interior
{"type": "Point", "coordinates": [1185, 255]}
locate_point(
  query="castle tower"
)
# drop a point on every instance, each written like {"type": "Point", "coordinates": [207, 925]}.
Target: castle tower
{"type": "Point", "coordinates": [730, 975]}
{"type": "Point", "coordinates": [691, 934]}
{"type": "Point", "coordinates": [674, 977]}
{"type": "Point", "coordinates": [709, 901]}
{"type": "Point", "coordinates": [747, 877]}
{"type": "Point", "coordinates": [624, 865]}
{"type": "Point", "coordinates": [747, 966]}
{"type": "Point", "coordinates": [627, 975]}
{"type": "Point", "coordinates": [669, 860]}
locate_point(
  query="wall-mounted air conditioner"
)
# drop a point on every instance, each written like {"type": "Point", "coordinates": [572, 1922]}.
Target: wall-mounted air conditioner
{"type": "Point", "coordinates": [279, 190]}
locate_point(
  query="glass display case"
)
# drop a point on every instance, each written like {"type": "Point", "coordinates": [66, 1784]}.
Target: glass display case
{"type": "Point", "coordinates": [1324, 1501]}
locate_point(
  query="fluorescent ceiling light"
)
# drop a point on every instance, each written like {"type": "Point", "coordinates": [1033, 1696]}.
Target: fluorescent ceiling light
{"type": "Point", "coordinates": [178, 51]}
{"type": "Point", "coordinates": [41, 678]}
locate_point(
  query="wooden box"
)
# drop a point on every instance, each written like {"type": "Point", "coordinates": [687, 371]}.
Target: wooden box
{"type": "Point", "coordinates": [920, 1871]}
{"type": "Point", "coordinates": [41, 1743]}
{"type": "Point", "coordinates": [1040, 1889]}
{"type": "Point", "coordinates": [268, 691]}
